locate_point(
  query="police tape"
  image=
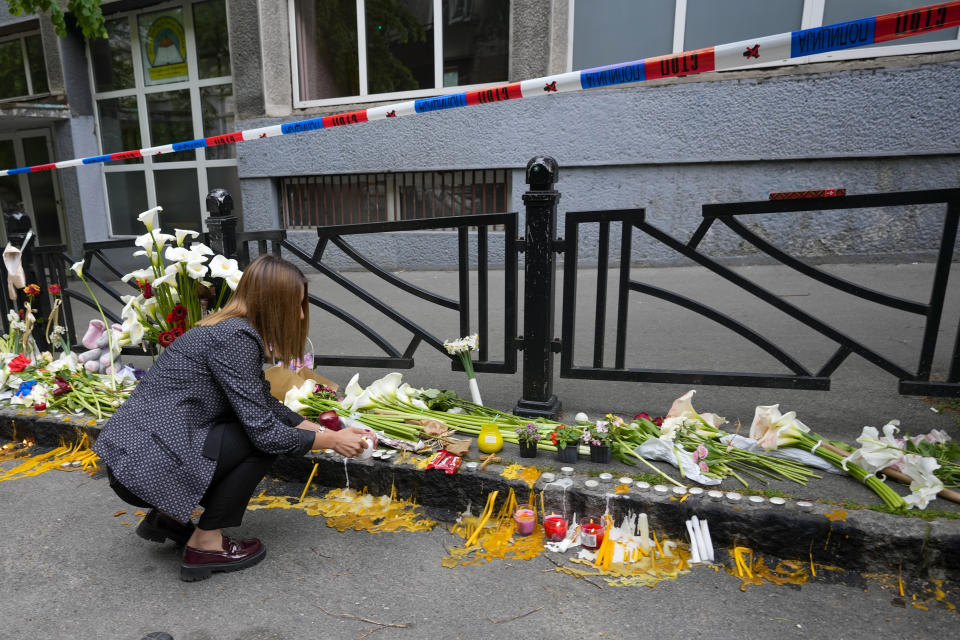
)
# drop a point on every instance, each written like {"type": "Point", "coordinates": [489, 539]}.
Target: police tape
{"type": "Point", "coordinates": [795, 44]}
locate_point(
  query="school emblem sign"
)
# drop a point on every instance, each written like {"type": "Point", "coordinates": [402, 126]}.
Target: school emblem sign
{"type": "Point", "coordinates": [164, 47]}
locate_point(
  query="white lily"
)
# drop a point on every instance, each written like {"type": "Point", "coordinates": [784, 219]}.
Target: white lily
{"type": "Point", "coordinates": [772, 429]}
{"type": "Point", "coordinates": [352, 391]}
{"type": "Point", "coordinates": [133, 331]}
{"type": "Point", "coordinates": [182, 235]}
{"type": "Point", "coordinates": [202, 249]}
{"type": "Point", "coordinates": [140, 275]}
{"type": "Point", "coordinates": [233, 280]}
{"type": "Point", "coordinates": [169, 278]}
{"type": "Point", "coordinates": [77, 268]}
{"type": "Point", "coordinates": [177, 254]}
{"type": "Point", "coordinates": [149, 307]}
{"type": "Point", "coordinates": [875, 452]}
{"type": "Point", "coordinates": [149, 218]}
{"type": "Point", "coordinates": [196, 270]}
{"type": "Point", "coordinates": [670, 426]}
{"type": "Point", "coordinates": [925, 485]}
{"type": "Point", "coordinates": [683, 407]}
{"type": "Point", "coordinates": [295, 396]}
{"type": "Point", "coordinates": [222, 267]}
{"type": "Point", "coordinates": [153, 241]}
{"type": "Point", "coordinates": [132, 304]}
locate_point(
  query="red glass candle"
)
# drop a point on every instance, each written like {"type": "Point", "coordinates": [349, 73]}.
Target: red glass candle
{"type": "Point", "coordinates": [555, 527]}
{"type": "Point", "coordinates": [591, 533]}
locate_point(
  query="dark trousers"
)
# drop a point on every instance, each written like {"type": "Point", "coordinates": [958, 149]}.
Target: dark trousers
{"type": "Point", "coordinates": [240, 468]}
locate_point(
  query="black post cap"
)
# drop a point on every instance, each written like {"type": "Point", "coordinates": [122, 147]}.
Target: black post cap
{"type": "Point", "coordinates": [542, 172]}
{"type": "Point", "coordinates": [219, 202]}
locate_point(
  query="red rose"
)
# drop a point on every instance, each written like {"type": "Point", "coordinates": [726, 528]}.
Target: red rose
{"type": "Point", "coordinates": [54, 289]}
{"type": "Point", "coordinates": [19, 363]}
{"type": "Point", "coordinates": [179, 313]}
{"type": "Point", "coordinates": [166, 338]}
{"type": "Point", "coordinates": [32, 289]}
{"type": "Point", "coordinates": [62, 386]}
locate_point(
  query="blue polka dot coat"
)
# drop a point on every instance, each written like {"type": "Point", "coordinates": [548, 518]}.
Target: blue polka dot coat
{"type": "Point", "coordinates": [154, 443]}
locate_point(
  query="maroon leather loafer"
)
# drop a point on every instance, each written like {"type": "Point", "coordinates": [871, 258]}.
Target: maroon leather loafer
{"type": "Point", "coordinates": [199, 564]}
{"type": "Point", "coordinates": [159, 527]}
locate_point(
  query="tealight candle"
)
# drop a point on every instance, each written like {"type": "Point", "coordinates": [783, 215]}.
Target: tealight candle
{"type": "Point", "coordinates": [777, 502]}
{"type": "Point", "coordinates": [525, 519]}
{"type": "Point", "coordinates": [591, 533]}
{"type": "Point", "coordinates": [548, 477]}
{"type": "Point", "coordinates": [627, 480]}
{"type": "Point", "coordinates": [733, 496]}
{"type": "Point", "coordinates": [803, 505]}
{"type": "Point", "coordinates": [660, 488]}
{"type": "Point", "coordinates": [643, 486]}
{"type": "Point", "coordinates": [695, 491]}
{"type": "Point", "coordinates": [715, 495]}
{"type": "Point", "coordinates": [555, 527]}
{"type": "Point", "coordinates": [757, 500]}
{"type": "Point", "coordinates": [567, 471]}
{"type": "Point", "coordinates": [591, 484]}
{"type": "Point", "coordinates": [605, 477]}
{"type": "Point", "coordinates": [471, 466]}
{"type": "Point", "coordinates": [679, 490]}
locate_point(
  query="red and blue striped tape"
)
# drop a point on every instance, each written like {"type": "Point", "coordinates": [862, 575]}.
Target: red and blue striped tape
{"type": "Point", "coordinates": [795, 44]}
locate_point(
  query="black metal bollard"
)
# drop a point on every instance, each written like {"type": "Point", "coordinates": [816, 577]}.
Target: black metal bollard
{"type": "Point", "coordinates": [221, 224]}
{"type": "Point", "coordinates": [538, 298]}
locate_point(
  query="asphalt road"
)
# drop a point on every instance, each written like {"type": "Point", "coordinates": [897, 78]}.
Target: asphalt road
{"type": "Point", "coordinates": [70, 569]}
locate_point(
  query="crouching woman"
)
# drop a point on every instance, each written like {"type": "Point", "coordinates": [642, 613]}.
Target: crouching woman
{"type": "Point", "coordinates": [201, 428]}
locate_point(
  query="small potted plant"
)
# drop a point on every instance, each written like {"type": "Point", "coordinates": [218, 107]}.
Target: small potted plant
{"type": "Point", "coordinates": [527, 438]}
{"type": "Point", "coordinates": [598, 435]}
{"type": "Point", "coordinates": [566, 438]}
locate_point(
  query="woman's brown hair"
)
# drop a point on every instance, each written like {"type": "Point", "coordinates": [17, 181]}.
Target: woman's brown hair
{"type": "Point", "coordinates": [270, 296]}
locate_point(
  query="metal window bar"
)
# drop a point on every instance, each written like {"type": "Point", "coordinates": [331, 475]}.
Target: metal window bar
{"type": "Point", "coordinates": [317, 201]}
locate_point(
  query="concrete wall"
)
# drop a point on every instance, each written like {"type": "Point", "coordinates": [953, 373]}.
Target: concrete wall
{"type": "Point", "coordinates": [882, 125]}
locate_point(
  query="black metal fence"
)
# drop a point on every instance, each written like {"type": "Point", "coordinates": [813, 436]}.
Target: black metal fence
{"type": "Point", "coordinates": [540, 245]}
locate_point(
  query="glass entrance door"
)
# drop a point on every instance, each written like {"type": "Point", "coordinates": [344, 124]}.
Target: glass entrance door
{"type": "Point", "coordinates": [35, 194]}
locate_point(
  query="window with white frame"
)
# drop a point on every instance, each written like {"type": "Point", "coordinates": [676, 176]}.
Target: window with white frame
{"type": "Point", "coordinates": [23, 72]}
{"type": "Point", "coordinates": [162, 76]}
{"type": "Point", "coordinates": [385, 49]}
{"type": "Point", "coordinates": [610, 31]}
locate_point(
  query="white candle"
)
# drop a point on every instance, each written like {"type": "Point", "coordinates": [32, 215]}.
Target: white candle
{"type": "Point", "coordinates": [644, 532]}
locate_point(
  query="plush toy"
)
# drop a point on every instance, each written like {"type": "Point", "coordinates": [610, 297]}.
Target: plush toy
{"type": "Point", "coordinates": [97, 340]}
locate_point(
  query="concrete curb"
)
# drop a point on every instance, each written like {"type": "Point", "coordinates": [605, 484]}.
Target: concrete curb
{"type": "Point", "coordinates": [855, 540]}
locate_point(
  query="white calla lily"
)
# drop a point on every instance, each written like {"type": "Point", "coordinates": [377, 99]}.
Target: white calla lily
{"type": "Point", "coordinates": [233, 280]}
{"type": "Point", "coordinates": [169, 278]}
{"type": "Point", "coordinates": [202, 249]}
{"type": "Point", "coordinates": [140, 275]}
{"type": "Point", "coordinates": [196, 270]}
{"type": "Point", "coordinates": [925, 485]}
{"type": "Point", "coordinates": [772, 429]}
{"type": "Point", "coordinates": [149, 306]}
{"type": "Point", "coordinates": [182, 234]}
{"type": "Point", "coordinates": [77, 268]}
{"type": "Point", "coordinates": [133, 331]}
{"type": "Point", "coordinates": [222, 266]}
{"type": "Point", "coordinates": [352, 391]}
{"type": "Point", "coordinates": [295, 396]}
{"type": "Point", "coordinates": [149, 218]}
{"type": "Point", "coordinates": [876, 452]}
{"type": "Point", "coordinates": [177, 254]}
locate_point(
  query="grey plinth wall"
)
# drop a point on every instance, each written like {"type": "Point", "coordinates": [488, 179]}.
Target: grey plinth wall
{"type": "Point", "coordinates": [883, 125]}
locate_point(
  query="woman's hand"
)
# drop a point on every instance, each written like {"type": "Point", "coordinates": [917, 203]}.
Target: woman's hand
{"type": "Point", "coordinates": [351, 441]}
